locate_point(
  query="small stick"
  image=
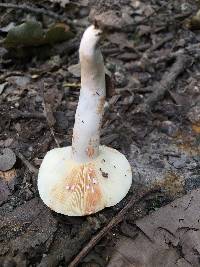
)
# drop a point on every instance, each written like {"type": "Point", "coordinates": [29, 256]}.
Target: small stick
{"type": "Point", "coordinates": [166, 83]}
{"type": "Point", "coordinates": [30, 167]}
{"type": "Point", "coordinates": [49, 115]}
{"type": "Point", "coordinates": [17, 114]}
{"type": "Point", "coordinates": [117, 219]}
{"type": "Point", "coordinates": [36, 10]}
{"type": "Point", "coordinates": [159, 44]}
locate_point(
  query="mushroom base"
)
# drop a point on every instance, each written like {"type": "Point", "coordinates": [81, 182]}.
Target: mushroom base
{"type": "Point", "coordinates": [78, 189]}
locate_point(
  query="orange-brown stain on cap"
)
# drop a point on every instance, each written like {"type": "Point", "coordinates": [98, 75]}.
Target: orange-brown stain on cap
{"type": "Point", "coordinates": [79, 192]}
{"type": "Point", "coordinates": [90, 151]}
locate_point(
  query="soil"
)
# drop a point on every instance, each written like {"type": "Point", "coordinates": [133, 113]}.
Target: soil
{"type": "Point", "coordinates": [152, 50]}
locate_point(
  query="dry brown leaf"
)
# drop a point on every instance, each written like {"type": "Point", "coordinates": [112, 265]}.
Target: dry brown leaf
{"type": "Point", "coordinates": [169, 237]}
{"type": "Point", "coordinates": [26, 227]}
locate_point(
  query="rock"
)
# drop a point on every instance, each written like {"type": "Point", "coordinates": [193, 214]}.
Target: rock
{"type": "Point", "coordinates": [177, 162]}
{"type": "Point", "coordinates": [7, 159]}
{"type": "Point", "coordinates": [169, 128]}
{"type": "Point", "coordinates": [194, 114]}
{"type": "Point", "coordinates": [120, 79]}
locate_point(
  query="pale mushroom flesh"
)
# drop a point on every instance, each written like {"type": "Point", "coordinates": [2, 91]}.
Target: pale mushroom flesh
{"type": "Point", "coordinates": [78, 189]}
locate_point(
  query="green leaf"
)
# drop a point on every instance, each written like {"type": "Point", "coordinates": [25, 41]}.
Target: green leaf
{"type": "Point", "coordinates": [58, 33]}
{"type": "Point", "coordinates": [29, 33]}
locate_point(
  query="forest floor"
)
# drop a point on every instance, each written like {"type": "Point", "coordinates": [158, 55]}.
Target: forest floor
{"type": "Point", "coordinates": [152, 50]}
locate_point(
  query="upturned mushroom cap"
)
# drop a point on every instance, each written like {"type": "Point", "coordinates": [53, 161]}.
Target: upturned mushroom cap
{"type": "Point", "coordinates": [78, 189]}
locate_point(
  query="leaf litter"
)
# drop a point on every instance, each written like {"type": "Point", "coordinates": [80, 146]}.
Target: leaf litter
{"type": "Point", "coordinates": [146, 39]}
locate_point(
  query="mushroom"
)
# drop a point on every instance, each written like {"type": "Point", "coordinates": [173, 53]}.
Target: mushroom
{"type": "Point", "coordinates": [85, 178]}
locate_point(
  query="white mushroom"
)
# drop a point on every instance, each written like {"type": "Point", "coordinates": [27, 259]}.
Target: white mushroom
{"type": "Point", "coordinates": [85, 177]}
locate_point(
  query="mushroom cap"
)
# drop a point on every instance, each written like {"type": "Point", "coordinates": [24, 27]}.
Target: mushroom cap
{"type": "Point", "coordinates": [78, 189]}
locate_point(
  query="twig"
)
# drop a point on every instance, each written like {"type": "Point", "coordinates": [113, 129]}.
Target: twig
{"type": "Point", "coordinates": [36, 10]}
{"type": "Point", "coordinates": [159, 44]}
{"type": "Point", "coordinates": [8, 74]}
{"type": "Point", "coordinates": [193, 50]}
{"type": "Point", "coordinates": [17, 114]}
{"type": "Point", "coordinates": [117, 219]}
{"type": "Point", "coordinates": [30, 167]}
{"type": "Point", "coordinates": [168, 80]}
{"type": "Point", "coordinates": [49, 115]}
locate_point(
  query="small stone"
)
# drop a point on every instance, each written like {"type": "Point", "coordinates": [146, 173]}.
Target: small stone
{"type": "Point", "coordinates": [177, 162]}
{"type": "Point", "coordinates": [16, 104]}
{"type": "Point", "coordinates": [38, 99]}
{"type": "Point", "coordinates": [194, 114]}
{"type": "Point", "coordinates": [30, 148]}
{"type": "Point", "coordinates": [21, 81]}
{"type": "Point", "coordinates": [7, 159]}
{"type": "Point", "coordinates": [169, 128]}
{"type": "Point", "coordinates": [120, 79]}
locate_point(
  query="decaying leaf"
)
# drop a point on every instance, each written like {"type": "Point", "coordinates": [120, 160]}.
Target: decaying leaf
{"type": "Point", "coordinates": [58, 33]}
{"type": "Point", "coordinates": [9, 177]}
{"type": "Point", "coordinates": [51, 99]}
{"type": "Point", "coordinates": [27, 34]}
{"type": "Point", "coordinates": [26, 227]}
{"type": "Point", "coordinates": [31, 33]}
{"type": "Point", "coordinates": [108, 20]}
{"type": "Point", "coordinates": [162, 235]}
{"type": "Point", "coordinates": [194, 22]}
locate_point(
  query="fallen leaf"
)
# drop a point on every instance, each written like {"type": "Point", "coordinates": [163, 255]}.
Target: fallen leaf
{"type": "Point", "coordinates": [10, 177]}
{"type": "Point", "coordinates": [31, 33]}
{"type": "Point", "coordinates": [20, 81]}
{"type": "Point", "coordinates": [58, 33]}
{"type": "Point", "coordinates": [28, 226]}
{"type": "Point", "coordinates": [109, 20]}
{"type": "Point", "coordinates": [194, 22]}
{"type": "Point", "coordinates": [27, 34]}
{"type": "Point", "coordinates": [162, 235]}
{"type": "Point", "coordinates": [120, 39]}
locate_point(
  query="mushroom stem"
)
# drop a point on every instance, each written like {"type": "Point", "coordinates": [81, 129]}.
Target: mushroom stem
{"type": "Point", "coordinates": [88, 118]}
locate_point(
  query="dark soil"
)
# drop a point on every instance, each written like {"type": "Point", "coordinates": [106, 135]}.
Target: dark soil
{"type": "Point", "coordinates": [153, 52]}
